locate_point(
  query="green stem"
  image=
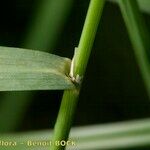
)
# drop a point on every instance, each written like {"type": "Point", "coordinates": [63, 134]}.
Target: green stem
{"type": "Point", "coordinates": [139, 37]}
{"type": "Point", "coordinates": [70, 97]}
{"type": "Point", "coordinates": [88, 36]}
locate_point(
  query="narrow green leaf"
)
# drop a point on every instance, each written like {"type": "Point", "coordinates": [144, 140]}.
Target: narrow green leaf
{"type": "Point", "coordinates": [32, 70]}
{"type": "Point", "coordinates": [41, 35]}
{"type": "Point", "coordinates": [121, 135]}
{"type": "Point", "coordinates": [143, 4]}
{"type": "Point", "coordinates": [139, 37]}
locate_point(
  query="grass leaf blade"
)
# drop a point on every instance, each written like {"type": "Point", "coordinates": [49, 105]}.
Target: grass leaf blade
{"type": "Point", "coordinates": [121, 135]}
{"type": "Point", "coordinates": [139, 37]}
{"type": "Point", "coordinates": [32, 70]}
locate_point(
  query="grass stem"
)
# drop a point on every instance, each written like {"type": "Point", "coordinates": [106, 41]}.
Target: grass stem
{"type": "Point", "coordinates": [81, 57]}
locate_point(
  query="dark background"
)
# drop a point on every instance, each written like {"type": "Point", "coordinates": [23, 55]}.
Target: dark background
{"type": "Point", "coordinates": [112, 90]}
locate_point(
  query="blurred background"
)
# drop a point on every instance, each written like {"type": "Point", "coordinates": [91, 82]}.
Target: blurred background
{"type": "Point", "coordinates": [113, 89]}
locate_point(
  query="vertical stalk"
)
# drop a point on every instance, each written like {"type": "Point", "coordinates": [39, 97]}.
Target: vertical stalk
{"type": "Point", "coordinates": [81, 57]}
{"type": "Point", "coordinates": [139, 37]}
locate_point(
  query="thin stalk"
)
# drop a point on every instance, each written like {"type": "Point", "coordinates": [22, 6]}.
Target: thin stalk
{"type": "Point", "coordinates": [42, 35]}
{"type": "Point", "coordinates": [139, 36]}
{"type": "Point", "coordinates": [81, 57]}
